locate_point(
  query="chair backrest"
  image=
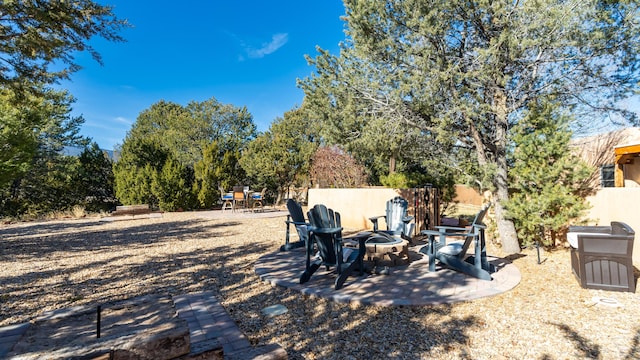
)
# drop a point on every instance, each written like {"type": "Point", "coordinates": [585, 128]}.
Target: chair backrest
{"type": "Point", "coordinates": [396, 211]}
{"type": "Point", "coordinates": [297, 216]}
{"type": "Point", "coordinates": [477, 226]}
{"type": "Point", "coordinates": [321, 217]}
{"type": "Point", "coordinates": [618, 240]}
{"type": "Point", "coordinates": [260, 195]}
{"type": "Point", "coordinates": [479, 218]}
{"type": "Point", "coordinates": [238, 192]}
{"type": "Point", "coordinates": [295, 211]}
{"type": "Point", "coordinates": [223, 194]}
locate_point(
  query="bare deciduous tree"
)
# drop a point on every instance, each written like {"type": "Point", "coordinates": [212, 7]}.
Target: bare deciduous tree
{"type": "Point", "coordinates": [333, 167]}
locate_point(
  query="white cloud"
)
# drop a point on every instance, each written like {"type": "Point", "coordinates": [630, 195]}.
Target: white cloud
{"type": "Point", "coordinates": [122, 120]}
{"type": "Point", "coordinates": [277, 41]}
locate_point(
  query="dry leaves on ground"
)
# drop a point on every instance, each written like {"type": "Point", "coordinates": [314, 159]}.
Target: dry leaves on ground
{"type": "Point", "coordinates": [58, 264]}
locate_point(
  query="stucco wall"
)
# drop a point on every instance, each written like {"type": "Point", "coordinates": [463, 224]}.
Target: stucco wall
{"type": "Point", "coordinates": [355, 205]}
{"type": "Point", "coordinates": [632, 174]}
{"type": "Point", "coordinates": [617, 204]}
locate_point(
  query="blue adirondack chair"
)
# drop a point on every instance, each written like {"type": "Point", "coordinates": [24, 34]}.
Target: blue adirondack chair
{"type": "Point", "coordinates": [454, 255]}
{"type": "Point", "coordinates": [398, 222]}
{"type": "Point", "coordinates": [326, 234]}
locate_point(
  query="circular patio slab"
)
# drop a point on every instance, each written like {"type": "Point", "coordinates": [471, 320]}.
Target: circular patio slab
{"type": "Point", "coordinates": [406, 285]}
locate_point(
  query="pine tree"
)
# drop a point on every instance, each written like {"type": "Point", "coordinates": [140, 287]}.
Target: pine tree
{"type": "Point", "coordinates": [94, 180]}
{"type": "Point", "coordinates": [172, 185]}
{"type": "Point", "coordinates": [169, 139]}
{"type": "Point", "coordinates": [545, 176]}
{"type": "Point", "coordinates": [39, 39]}
{"type": "Point", "coordinates": [279, 158]}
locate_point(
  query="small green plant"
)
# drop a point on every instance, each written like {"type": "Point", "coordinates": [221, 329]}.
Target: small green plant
{"type": "Point", "coordinates": [395, 180]}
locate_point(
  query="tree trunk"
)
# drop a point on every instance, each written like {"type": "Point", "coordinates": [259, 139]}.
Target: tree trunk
{"type": "Point", "coordinates": [506, 228]}
{"type": "Point", "coordinates": [392, 164]}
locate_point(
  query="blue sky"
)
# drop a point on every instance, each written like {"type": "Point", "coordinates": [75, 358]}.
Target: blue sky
{"type": "Point", "coordinates": [245, 53]}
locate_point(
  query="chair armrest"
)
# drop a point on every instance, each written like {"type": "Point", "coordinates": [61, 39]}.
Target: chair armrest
{"type": "Point", "coordinates": [374, 220]}
{"type": "Point", "coordinates": [430, 232]}
{"type": "Point", "coordinates": [296, 222]}
{"type": "Point", "coordinates": [453, 228]}
{"type": "Point", "coordinates": [590, 229]}
{"type": "Point", "coordinates": [407, 219]}
{"type": "Point", "coordinates": [333, 230]}
{"type": "Point", "coordinates": [460, 234]}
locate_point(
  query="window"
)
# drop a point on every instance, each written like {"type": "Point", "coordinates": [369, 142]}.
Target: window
{"type": "Point", "coordinates": [607, 178]}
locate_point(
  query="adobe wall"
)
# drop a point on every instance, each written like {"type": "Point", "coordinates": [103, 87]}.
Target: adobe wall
{"type": "Point", "coordinates": [632, 174]}
{"type": "Point", "coordinates": [356, 206]}
{"type": "Point", "coordinates": [468, 196]}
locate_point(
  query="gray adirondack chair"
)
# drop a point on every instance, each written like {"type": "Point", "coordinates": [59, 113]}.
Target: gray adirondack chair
{"type": "Point", "coordinates": [326, 234]}
{"type": "Point", "coordinates": [398, 222]}
{"type": "Point", "coordinates": [295, 218]}
{"type": "Point", "coordinates": [455, 255]}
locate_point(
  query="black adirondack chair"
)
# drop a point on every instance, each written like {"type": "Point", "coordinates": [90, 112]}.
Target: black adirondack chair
{"type": "Point", "coordinates": [295, 218]}
{"type": "Point", "coordinates": [454, 255]}
{"type": "Point", "coordinates": [326, 234]}
{"type": "Point", "coordinates": [398, 222]}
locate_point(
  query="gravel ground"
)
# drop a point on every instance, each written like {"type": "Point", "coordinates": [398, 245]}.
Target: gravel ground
{"type": "Point", "coordinates": [58, 264]}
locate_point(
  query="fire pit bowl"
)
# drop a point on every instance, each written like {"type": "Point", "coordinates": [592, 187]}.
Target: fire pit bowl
{"type": "Point", "coordinates": [383, 249]}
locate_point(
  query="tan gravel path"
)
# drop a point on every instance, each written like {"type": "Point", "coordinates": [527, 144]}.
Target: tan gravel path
{"type": "Point", "coordinates": [57, 264]}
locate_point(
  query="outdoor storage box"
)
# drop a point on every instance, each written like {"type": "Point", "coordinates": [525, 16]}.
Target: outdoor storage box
{"type": "Point", "coordinates": [601, 256]}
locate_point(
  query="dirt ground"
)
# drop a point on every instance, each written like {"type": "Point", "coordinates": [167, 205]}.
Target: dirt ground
{"type": "Point", "coordinates": [57, 264]}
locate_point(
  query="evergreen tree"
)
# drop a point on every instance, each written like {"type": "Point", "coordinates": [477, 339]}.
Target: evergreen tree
{"type": "Point", "coordinates": [169, 139]}
{"type": "Point", "coordinates": [38, 40]}
{"type": "Point", "coordinates": [172, 185]}
{"type": "Point", "coordinates": [545, 176]}
{"type": "Point", "coordinates": [94, 180]}
{"type": "Point", "coordinates": [48, 187]}
{"type": "Point", "coordinates": [218, 168]}
{"type": "Point", "coordinates": [43, 178]}
{"type": "Point", "coordinates": [208, 176]}
{"type": "Point", "coordinates": [280, 157]}
{"type": "Point", "coordinates": [140, 160]}
{"type": "Point", "coordinates": [18, 135]}
{"type": "Point", "coordinates": [344, 98]}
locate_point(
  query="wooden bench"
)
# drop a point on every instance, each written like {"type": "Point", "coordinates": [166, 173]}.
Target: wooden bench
{"type": "Point", "coordinates": [131, 210]}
